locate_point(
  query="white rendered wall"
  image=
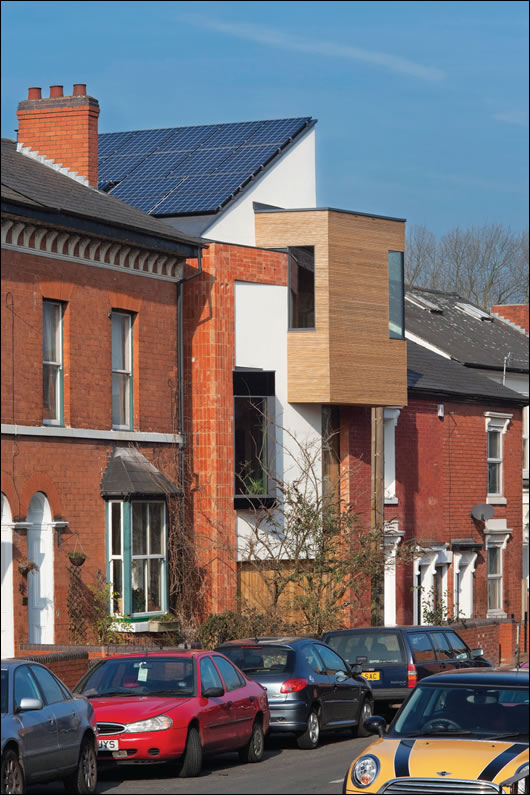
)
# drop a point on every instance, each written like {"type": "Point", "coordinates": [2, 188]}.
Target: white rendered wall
{"type": "Point", "coordinates": [261, 341]}
{"type": "Point", "coordinates": [291, 182]}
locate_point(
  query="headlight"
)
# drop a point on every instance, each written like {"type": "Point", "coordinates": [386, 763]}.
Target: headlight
{"type": "Point", "coordinates": [157, 724]}
{"type": "Point", "coordinates": [365, 770]}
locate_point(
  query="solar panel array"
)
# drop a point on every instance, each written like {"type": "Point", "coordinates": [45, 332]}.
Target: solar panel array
{"type": "Point", "coordinates": [189, 169]}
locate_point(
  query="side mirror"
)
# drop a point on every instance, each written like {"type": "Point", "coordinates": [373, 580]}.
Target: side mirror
{"type": "Point", "coordinates": [213, 692]}
{"type": "Point", "coordinates": [341, 677]}
{"type": "Point", "coordinates": [29, 704]}
{"type": "Point", "coordinates": [356, 669]}
{"type": "Point", "coordinates": [375, 725]}
{"type": "Point", "coordinates": [477, 653]}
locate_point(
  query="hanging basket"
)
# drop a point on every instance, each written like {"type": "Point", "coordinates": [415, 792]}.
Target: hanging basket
{"type": "Point", "coordinates": [76, 558]}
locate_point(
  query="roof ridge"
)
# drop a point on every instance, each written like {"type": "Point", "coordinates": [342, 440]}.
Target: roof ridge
{"type": "Point", "coordinates": [211, 124]}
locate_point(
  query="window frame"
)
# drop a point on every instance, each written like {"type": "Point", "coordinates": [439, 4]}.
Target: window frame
{"type": "Point", "coordinates": [497, 577]}
{"type": "Point", "coordinates": [291, 312]}
{"type": "Point", "coordinates": [58, 364]}
{"type": "Point", "coordinates": [393, 301]}
{"type": "Point", "coordinates": [129, 406]}
{"type": "Point", "coordinates": [496, 422]}
{"type": "Point", "coordinates": [126, 557]}
{"type": "Point", "coordinates": [263, 392]}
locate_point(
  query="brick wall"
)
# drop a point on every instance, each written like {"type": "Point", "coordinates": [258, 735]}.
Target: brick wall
{"type": "Point", "coordinates": [516, 313]}
{"type": "Point", "coordinates": [69, 666]}
{"type": "Point", "coordinates": [209, 357]}
{"type": "Point", "coordinates": [497, 638]}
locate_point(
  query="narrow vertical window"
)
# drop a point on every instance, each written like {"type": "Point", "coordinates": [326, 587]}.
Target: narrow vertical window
{"type": "Point", "coordinates": [396, 294]}
{"type": "Point", "coordinates": [116, 556]}
{"type": "Point", "coordinates": [525, 442]}
{"type": "Point", "coordinates": [494, 462]}
{"type": "Point", "coordinates": [52, 363]}
{"type": "Point", "coordinates": [301, 287]}
{"type": "Point", "coordinates": [121, 370]}
{"type": "Point", "coordinates": [253, 391]}
{"type": "Point", "coordinates": [495, 578]}
{"type": "Point", "coordinates": [148, 556]}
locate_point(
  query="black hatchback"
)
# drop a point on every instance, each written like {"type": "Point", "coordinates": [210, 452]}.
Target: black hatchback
{"type": "Point", "coordinates": [310, 687]}
{"type": "Point", "coordinates": [393, 659]}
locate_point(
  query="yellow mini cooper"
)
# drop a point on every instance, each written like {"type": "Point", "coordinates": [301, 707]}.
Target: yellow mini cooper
{"type": "Point", "coordinates": [460, 732]}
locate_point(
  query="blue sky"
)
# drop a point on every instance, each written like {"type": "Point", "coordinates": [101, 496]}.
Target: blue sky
{"type": "Point", "coordinates": [422, 106]}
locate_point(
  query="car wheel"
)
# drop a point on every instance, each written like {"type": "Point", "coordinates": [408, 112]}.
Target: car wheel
{"type": "Point", "coordinates": [367, 710]}
{"type": "Point", "coordinates": [192, 761]}
{"type": "Point", "coordinates": [84, 780]}
{"type": "Point", "coordinates": [253, 750]}
{"type": "Point", "coordinates": [309, 739]}
{"type": "Point", "coordinates": [12, 774]}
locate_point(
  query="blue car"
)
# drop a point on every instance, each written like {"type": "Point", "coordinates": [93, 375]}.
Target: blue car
{"type": "Point", "coordinates": [393, 659]}
{"type": "Point", "coordinates": [310, 688]}
{"type": "Point", "coordinates": [47, 732]}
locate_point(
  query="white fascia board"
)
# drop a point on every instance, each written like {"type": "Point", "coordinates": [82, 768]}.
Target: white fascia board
{"type": "Point", "coordinates": [91, 434]}
{"type": "Point", "coordinates": [425, 344]}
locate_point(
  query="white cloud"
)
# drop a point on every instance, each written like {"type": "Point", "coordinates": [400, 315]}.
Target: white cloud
{"type": "Point", "coordinates": [278, 38]}
{"type": "Point", "coordinates": [519, 117]}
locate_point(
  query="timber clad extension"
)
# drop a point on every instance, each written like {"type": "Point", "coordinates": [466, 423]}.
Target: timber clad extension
{"type": "Point", "coordinates": [348, 359]}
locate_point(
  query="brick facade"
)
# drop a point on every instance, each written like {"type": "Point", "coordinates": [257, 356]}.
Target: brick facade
{"type": "Point", "coordinates": [515, 313]}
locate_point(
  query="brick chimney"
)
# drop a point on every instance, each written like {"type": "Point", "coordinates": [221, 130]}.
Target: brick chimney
{"type": "Point", "coordinates": [62, 129]}
{"type": "Point", "coordinates": [516, 314]}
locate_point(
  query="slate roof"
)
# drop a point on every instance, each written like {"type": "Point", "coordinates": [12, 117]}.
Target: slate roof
{"type": "Point", "coordinates": [129, 473]}
{"type": "Point", "coordinates": [473, 342]}
{"type": "Point", "coordinates": [40, 190]}
{"type": "Point", "coordinates": [192, 170]}
{"type": "Point", "coordinates": [430, 374]}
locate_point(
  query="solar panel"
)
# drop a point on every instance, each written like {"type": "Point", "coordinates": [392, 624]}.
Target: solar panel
{"type": "Point", "coordinates": [202, 161]}
{"type": "Point", "coordinates": [232, 135]}
{"type": "Point", "coordinates": [116, 167]}
{"type": "Point", "coordinates": [108, 143]}
{"type": "Point", "coordinates": [188, 138]}
{"type": "Point", "coordinates": [278, 131]}
{"type": "Point", "coordinates": [247, 159]}
{"type": "Point", "coordinates": [145, 141]}
{"type": "Point", "coordinates": [144, 195]}
{"type": "Point", "coordinates": [157, 165]}
{"type": "Point", "coordinates": [200, 194]}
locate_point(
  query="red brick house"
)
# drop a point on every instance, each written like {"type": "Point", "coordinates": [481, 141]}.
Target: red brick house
{"type": "Point", "coordinates": [90, 364]}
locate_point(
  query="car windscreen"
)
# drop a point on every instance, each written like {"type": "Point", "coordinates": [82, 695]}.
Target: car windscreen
{"type": "Point", "coordinates": [171, 676]}
{"type": "Point", "coordinates": [482, 710]}
{"type": "Point", "coordinates": [261, 659]}
{"type": "Point", "coordinates": [368, 648]}
{"type": "Point", "coordinates": [4, 689]}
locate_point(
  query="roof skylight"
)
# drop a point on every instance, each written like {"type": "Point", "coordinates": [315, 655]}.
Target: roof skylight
{"type": "Point", "coordinates": [474, 311]}
{"type": "Point", "coordinates": [423, 303]}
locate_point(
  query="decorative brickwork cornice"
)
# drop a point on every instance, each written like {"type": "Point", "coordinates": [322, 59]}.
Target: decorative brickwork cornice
{"type": "Point", "coordinates": [89, 250]}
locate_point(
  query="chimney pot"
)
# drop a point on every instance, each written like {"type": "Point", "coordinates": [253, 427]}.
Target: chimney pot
{"type": "Point", "coordinates": [79, 89]}
{"type": "Point", "coordinates": [56, 91]}
{"type": "Point", "coordinates": [34, 93]}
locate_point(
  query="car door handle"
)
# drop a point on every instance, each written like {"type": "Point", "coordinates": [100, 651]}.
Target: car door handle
{"type": "Point", "coordinates": [51, 722]}
{"type": "Point", "coordinates": [251, 699]}
{"type": "Point", "coordinates": [228, 704]}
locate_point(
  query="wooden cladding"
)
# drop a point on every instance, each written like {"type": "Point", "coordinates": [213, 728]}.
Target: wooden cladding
{"type": "Point", "coordinates": [348, 358]}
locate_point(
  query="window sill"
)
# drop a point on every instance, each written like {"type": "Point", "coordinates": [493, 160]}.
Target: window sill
{"type": "Point", "coordinates": [243, 503]}
{"type": "Point", "coordinates": [391, 501]}
{"type": "Point", "coordinates": [496, 614]}
{"type": "Point", "coordinates": [496, 499]}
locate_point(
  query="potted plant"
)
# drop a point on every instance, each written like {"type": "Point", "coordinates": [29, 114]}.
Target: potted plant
{"type": "Point", "coordinates": [76, 558]}
{"type": "Point", "coordinates": [167, 623]}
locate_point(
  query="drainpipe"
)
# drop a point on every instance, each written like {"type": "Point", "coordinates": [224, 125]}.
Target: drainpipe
{"type": "Point", "coordinates": [180, 361]}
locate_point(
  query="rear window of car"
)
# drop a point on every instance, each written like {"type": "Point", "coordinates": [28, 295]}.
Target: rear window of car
{"type": "Point", "coordinates": [368, 648]}
{"type": "Point", "coordinates": [261, 659]}
{"type": "Point", "coordinates": [421, 646]}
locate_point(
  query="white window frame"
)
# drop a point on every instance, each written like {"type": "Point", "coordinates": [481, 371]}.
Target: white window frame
{"type": "Point", "coordinates": [58, 364]}
{"type": "Point", "coordinates": [391, 416]}
{"type": "Point", "coordinates": [525, 443]}
{"type": "Point", "coordinates": [496, 422]}
{"type": "Point", "coordinates": [496, 534]}
{"type": "Point", "coordinates": [121, 372]}
{"type": "Point", "coordinates": [112, 557]}
{"type": "Point", "coordinates": [464, 564]}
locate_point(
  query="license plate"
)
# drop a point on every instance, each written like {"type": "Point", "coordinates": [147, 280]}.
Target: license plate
{"type": "Point", "coordinates": [372, 675]}
{"type": "Point", "coordinates": [108, 745]}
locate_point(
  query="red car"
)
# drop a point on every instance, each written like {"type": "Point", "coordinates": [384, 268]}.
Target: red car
{"type": "Point", "coordinates": [163, 706]}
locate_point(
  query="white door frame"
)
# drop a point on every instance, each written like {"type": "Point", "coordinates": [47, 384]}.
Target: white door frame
{"type": "Point", "coordinates": [41, 607]}
{"type": "Point", "coordinates": [7, 626]}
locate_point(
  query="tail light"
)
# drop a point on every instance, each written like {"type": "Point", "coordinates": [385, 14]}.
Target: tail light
{"type": "Point", "coordinates": [293, 685]}
{"type": "Point", "coordinates": [412, 675]}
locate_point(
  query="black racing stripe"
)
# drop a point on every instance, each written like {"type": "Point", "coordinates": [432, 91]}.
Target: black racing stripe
{"type": "Point", "coordinates": [401, 758]}
{"type": "Point", "coordinates": [491, 770]}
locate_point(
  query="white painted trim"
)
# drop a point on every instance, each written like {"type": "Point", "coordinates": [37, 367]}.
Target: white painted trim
{"type": "Point", "coordinates": [424, 344]}
{"type": "Point", "coordinates": [496, 500]}
{"type": "Point", "coordinates": [90, 433]}
{"type": "Point", "coordinates": [93, 263]}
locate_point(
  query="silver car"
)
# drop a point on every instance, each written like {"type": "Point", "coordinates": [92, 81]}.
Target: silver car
{"type": "Point", "coordinates": [47, 732]}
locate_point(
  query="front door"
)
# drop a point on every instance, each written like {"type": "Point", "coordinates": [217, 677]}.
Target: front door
{"type": "Point", "coordinates": [8, 647]}
{"type": "Point", "coordinates": [40, 585]}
